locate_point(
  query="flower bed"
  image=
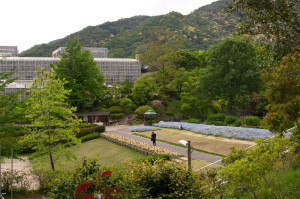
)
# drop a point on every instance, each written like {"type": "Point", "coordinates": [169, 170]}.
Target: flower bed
{"type": "Point", "coordinates": [144, 128]}
{"type": "Point", "coordinates": [224, 131]}
{"type": "Point", "coordinates": [136, 145]}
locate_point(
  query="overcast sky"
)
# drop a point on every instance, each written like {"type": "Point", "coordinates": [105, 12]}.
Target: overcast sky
{"type": "Point", "coordinates": [25, 23]}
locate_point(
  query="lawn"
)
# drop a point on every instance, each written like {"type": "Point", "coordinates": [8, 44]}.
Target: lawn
{"type": "Point", "coordinates": [211, 144]}
{"type": "Point", "coordinates": [106, 153]}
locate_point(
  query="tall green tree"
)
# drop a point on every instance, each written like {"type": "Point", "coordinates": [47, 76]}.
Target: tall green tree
{"type": "Point", "coordinates": [52, 127]}
{"type": "Point", "coordinates": [233, 70]}
{"type": "Point", "coordinates": [82, 75]}
{"type": "Point", "coordinates": [194, 100]}
{"type": "Point", "coordinates": [283, 94]}
{"type": "Point", "coordinates": [143, 90]}
{"type": "Point", "coordinates": [278, 20]}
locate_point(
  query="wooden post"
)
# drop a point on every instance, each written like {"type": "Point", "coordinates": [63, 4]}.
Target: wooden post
{"type": "Point", "coordinates": [189, 156]}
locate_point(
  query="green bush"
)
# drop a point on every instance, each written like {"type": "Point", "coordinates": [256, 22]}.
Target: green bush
{"type": "Point", "coordinates": [139, 112]}
{"type": "Point", "coordinates": [192, 120]}
{"type": "Point", "coordinates": [89, 137]}
{"type": "Point", "coordinates": [238, 123]}
{"type": "Point", "coordinates": [252, 121]}
{"type": "Point", "coordinates": [116, 116]}
{"type": "Point", "coordinates": [216, 119]}
{"type": "Point", "coordinates": [116, 109]}
{"type": "Point", "coordinates": [92, 128]}
{"type": "Point", "coordinates": [230, 119]}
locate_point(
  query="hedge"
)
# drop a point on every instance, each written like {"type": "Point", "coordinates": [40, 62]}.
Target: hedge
{"type": "Point", "coordinates": [88, 130]}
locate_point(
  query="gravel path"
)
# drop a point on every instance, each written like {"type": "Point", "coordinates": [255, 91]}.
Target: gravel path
{"type": "Point", "coordinates": [124, 130]}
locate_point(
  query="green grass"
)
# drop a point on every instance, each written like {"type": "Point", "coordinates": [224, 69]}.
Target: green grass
{"type": "Point", "coordinates": [105, 152]}
{"type": "Point", "coordinates": [180, 145]}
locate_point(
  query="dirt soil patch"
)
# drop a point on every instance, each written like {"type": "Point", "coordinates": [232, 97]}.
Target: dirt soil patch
{"type": "Point", "coordinates": [212, 144]}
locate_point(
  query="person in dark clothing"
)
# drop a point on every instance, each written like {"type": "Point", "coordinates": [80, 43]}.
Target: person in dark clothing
{"type": "Point", "coordinates": [153, 138]}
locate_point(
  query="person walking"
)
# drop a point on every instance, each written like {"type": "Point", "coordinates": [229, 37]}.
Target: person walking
{"type": "Point", "coordinates": [153, 138]}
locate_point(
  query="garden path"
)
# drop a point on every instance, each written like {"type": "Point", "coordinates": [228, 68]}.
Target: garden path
{"type": "Point", "coordinates": [124, 130]}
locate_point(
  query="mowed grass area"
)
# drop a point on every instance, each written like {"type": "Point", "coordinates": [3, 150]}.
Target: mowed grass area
{"type": "Point", "coordinates": [106, 153]}
{"type": "Point", "coordinates": [211, 144]}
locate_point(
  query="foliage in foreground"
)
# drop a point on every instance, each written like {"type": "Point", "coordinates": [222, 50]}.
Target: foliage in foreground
{"type": "Point", "coordinates": [256, 173]}
{"type": "Point", "coordinates": [161, 179]}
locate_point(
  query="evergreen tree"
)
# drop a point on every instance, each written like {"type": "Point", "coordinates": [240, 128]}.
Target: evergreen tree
{"type": "Point", "coordinates": [82, 75]}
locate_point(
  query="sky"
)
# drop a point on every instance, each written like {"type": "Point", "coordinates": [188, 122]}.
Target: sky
{"type": "Point", "coordinates": [25, 23]}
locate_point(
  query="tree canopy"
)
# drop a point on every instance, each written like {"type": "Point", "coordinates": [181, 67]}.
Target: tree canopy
{"type": "Point", "coordinates": [278, 20]}
{"type": "Point", "coordinates": [232, 70]}
{"type": "Point", "coordinates": [82, 76]}
{"type": "Point", "coordinates": [52, 127]}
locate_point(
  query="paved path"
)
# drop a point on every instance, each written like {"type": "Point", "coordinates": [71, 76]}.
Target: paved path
{"type": "Point", "coordinates": [124, 130]}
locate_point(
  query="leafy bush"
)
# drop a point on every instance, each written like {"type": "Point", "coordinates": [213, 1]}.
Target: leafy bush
{"type": "Point", "coordinates": [139, 112]}
{"type": "Point", "coordinates": [215, 118]}
{"type": "Point", "coordinates": [252, 121]}
{"type": "Point", "coordinates": [116, 116]}
{"type": "Point", "coordinates": [89, 137]}
{"type": "Point", "coordinates": [230, 119]}
{"type": "Point", "coordinates": [115, 109]}
{"type": "Point", "coordinates": [238, 123]}
{"type": "Point", "coordinates": [21, 182]}
{"type": "Point", "coordinates": [90, 129]}
{"type": "Point", "coordinates": [192, 120]}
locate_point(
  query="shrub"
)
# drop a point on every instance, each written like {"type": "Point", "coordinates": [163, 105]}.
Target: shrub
{"type": "Point", "coordinates": [139, 112]}
{"type": "Point", "coordinates": [219, 117]}
{"type": "Point", "coordinates": [238, 123]}
{"type": "Point", "coordinates": [90, 129]}
{"type": "Point", "coordinates": [89, 137]}
{"type": "Point", "coordinates": [192, 120]}
{"type": "Point", "coordinates": [230, 119]}
{"type": "Point", "coordinates": [252, 121]}
{"type": "Point", "coordinates": [116, 116]}
{"type": "Point", "coordinates": [116, 109]}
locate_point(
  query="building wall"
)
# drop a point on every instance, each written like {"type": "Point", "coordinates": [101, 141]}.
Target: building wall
{"type": "Point", "coordinates": [8, 51]}
{"type": "Point", "coordinates": [115, 70]}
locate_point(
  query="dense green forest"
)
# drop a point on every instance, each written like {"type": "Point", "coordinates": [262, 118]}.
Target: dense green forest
{"type": "Point", "coordinates": [200, 29]}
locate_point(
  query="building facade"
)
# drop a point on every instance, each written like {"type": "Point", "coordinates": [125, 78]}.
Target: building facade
{"type": "Point", "coordinates": [115, 70]}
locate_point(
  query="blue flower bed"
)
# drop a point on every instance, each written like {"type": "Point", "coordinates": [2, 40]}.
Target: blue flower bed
{"type": "Point", "coordinates": [144, 128]}
{"type": "Point", "coordinates": [223, 131]}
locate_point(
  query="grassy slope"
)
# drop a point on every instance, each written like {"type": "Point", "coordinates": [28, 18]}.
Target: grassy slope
{"type": "Point", "coordinates": [106, 153]}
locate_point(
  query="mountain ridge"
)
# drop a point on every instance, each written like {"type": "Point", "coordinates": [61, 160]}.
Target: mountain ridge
{"type": "Point", "coordinates": [201, 28]}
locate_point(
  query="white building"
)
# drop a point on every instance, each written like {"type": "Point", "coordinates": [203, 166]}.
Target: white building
{"type": "Point", "coordinates": [115, 70]}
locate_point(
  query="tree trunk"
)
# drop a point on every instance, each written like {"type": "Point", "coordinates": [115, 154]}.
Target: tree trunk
{"type": "Point", "coordinates": [52, 162]}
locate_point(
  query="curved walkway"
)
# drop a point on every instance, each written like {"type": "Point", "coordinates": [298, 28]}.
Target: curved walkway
{"type": "Point", "coordinates": [124, 130]}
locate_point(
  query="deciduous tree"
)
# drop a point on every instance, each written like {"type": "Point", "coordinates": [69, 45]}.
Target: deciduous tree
{"type": "Point", "coordinates": [283, 94]}
{"type": "Point", "coordinates": [233, 70]}
{"type": "Point", "coordinates": [52, 125]}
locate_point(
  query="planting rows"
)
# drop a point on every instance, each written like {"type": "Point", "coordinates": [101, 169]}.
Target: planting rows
{"type": "Point", "coordinates": [223, 131]}
{"type": "Point", "coordinates": [144, 128]}
{"type": "Point", "coordinates": [137, 145]}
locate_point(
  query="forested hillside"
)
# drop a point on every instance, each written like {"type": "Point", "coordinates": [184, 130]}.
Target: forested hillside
{"type": "Point", "coordinates": [202, 28]}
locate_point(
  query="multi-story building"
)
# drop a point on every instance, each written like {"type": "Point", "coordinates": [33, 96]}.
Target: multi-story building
{"type": "Point", "coordinates": [8, 51]}
{"type": "Point", "coordinates": [115, 70]}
